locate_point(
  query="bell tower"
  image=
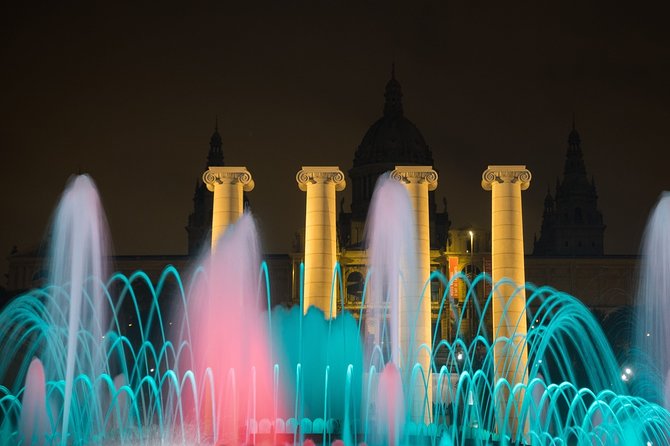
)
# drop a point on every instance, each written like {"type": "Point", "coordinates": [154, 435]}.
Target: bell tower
{"type": "Point", "coordinates": [572, 224]}
{"type": "Point", "coordinates": [200, 220]}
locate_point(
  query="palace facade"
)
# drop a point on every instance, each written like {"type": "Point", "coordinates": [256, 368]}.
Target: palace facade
{"type": "Point", "coordinates": [568, 255]}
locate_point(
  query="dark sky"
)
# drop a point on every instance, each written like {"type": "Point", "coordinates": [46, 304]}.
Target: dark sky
{"type": "Point", "coordinates": [128, 92]}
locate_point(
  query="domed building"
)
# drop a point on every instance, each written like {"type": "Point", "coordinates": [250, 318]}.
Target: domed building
{"type": "Point", "coordinates": [393, 140]}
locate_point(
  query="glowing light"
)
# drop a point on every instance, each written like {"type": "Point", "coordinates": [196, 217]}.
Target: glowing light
{"type": "Point", "coordinates": [459, 356]}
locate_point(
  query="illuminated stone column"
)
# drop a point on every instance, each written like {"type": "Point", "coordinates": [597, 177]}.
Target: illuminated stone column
{"type": "Point", "coordinates": [418, 180]}
{"type": "Point", "coordinates": [228, 185]}
{"type": "Point", "coordinates": [320, 183]}
{"type": "Point", "coordinates": [509, 305]}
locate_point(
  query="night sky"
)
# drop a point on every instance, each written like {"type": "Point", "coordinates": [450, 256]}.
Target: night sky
{"type": "Point", "coordinates": [129, 93]}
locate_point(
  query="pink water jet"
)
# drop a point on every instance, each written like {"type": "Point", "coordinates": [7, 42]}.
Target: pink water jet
{"type": "Point", "coordinates": [390, 405]}
{"type": "Point", "coordinates": [34, 423]}
{"type": "Point", "coordinates": [232, 357]}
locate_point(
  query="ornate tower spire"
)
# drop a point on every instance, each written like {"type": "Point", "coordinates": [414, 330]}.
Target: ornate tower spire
{"type": "Point", "coordinates": [200, 220]}
{"type": "Point", "coordinates": [572, 224]}
{"type": "Point", "coordinates": [393, 96]}
{"type": "Point", "coordinates": [574, 161]}
{"type": "Point", "coordinates": [215, 155]}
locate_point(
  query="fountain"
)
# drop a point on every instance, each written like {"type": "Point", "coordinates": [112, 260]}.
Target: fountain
{"type": "Point", "coordinates": [652, 334]}
{"type": "Point", "coordinates": [88, 360]}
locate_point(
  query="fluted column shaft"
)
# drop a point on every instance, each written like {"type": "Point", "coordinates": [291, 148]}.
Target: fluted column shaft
{"type": "Point", "coordinates": [509, 305]}
{"type": "Point", "coordinates": [320, 184]}
{"type": "Point", "coordinates": [415, 313]}
{"type": "Point", "coordinates": [228, 185]}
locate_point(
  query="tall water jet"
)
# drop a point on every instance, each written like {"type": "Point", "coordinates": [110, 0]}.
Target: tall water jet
{"type": "Point", "coordinates": [232, 358]}
{"type": "Point", "coordinates": [389, 234]}
{"type": "Point", "coordinates": [394, 299]}
{"type": "Point", "coordinates": [652, 330]}
{"type": "Point", "coordinates": [77, 265]}
{"type": "Point", "coordinates": [416, 328]}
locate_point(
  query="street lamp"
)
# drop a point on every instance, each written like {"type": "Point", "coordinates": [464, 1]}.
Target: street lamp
{"type": "Point", "coordinates": [472, 279]}
{"type": "Point", "coordinates": [472, 244]}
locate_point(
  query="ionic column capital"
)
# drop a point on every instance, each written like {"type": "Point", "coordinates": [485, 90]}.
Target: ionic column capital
{"type": "Point", "coordinates": [228, 175]}
{"type": "Point", "coordinates": [416, 175]}
{"type": "Point", "coordinates": [506, 174]}
{"type": "Point", "coordinates": [320, 174]}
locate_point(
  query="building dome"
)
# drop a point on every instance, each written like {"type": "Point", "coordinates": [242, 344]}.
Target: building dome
{"type": "Point", "coordinates": [393, 139]}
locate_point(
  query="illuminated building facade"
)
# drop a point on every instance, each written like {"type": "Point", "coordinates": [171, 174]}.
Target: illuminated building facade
{"type": "Point", "coordinates": [571, 216]}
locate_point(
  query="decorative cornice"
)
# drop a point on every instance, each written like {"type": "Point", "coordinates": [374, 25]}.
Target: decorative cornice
{"type": "Point", "coordinates": [228, 175]}
{"type": "Point", "coordinates": [506, 174]}
{"type": "Point", "coordinates": [320, 174]}
{"type": "Point", "coordinates": [416, 174]}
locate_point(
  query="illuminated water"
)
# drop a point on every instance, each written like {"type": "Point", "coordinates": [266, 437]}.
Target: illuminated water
{"type": "Point", "coordinates": [652, 331]}
{"type": "Point", "coordinates": [122, 360]}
